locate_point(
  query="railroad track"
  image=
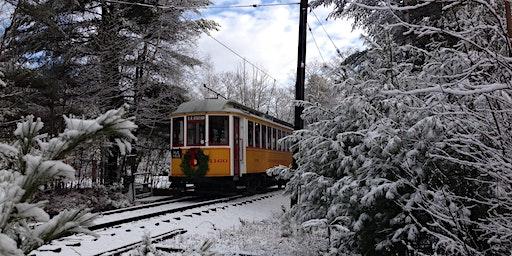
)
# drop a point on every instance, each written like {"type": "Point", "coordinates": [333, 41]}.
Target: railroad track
{"type": "Point", "coordinates": [153, 211]}
{"type": "Point", "coordinates": [142, 206]}
{"type": "Point", "coordinates": [118, 230]}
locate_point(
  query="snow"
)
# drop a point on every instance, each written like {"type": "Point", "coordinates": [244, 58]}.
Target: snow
{"type": "Point", "coordinates": [130, 214]}
{"type": "Point", "coordinates": [32, 163]}
{"type": "Point", "coordinates": [37, 166]}
{"type": "Point", "coordinates": [8, 246]}
{"type": "Point", "coordinates": [25, 129]}
{"type": "Point", "coordinates": [27, 210]}
{"type": "Point", "coordinates": [195, 221]}
{"type": "Point", "coordinates": [207, 105]}
{"type": "Point", "coordinates": [261, 237]}
{"type": "Point", "coordinates": [89, 126]}
{"type": "Point", "coordinates": [8, 150]}
{"type": "Point", "coordinates": [161, 182]}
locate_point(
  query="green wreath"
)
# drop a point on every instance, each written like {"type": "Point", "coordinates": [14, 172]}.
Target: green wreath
{"type": "Point", "coordinates": [194, 163]}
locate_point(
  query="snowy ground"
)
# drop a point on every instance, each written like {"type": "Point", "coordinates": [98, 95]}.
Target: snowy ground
{"type": "Point", "coordinates": [203, 222]}
{"type": "Point", "coordinates": [262, 237]}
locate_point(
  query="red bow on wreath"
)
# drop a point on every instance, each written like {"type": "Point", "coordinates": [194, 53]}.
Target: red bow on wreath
{"type": "Point", "coordinates": [193, 158]}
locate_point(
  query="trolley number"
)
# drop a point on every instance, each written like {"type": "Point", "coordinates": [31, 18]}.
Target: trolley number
{"type": "Point", "coordinates": [176, 153]}
{"type": "Point", "coordinates": [217, 161]}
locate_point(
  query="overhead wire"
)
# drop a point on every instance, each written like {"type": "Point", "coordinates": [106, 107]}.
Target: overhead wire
{"type": "Point", "coordinates": [316, 43]}
{"type": "Point", "coordinates": [178, 7]}
{"type": "Point", "coordinates": [328, 36]}
{"type": "Point", "coordinates": [242, 57]}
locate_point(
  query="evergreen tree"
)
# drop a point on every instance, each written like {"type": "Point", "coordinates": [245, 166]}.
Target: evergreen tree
{"type": "Point", "coordinates": [415, 158]}
{"type": "Point", "coordinates": [35, 159]}
{"type": "Point", "coordinates": [84, 57]}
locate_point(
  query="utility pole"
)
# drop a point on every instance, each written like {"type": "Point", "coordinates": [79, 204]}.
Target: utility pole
{"type": "Point", "coordinates": [301, 77]}
{"type": "Point", "coordinates": [508, 19]}
{"type": "Point", "coordinates": [301, 63]}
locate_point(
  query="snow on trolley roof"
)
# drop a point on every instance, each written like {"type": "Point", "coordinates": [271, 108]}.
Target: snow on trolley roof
{"type": "Point", "coordinates": [222, 105]}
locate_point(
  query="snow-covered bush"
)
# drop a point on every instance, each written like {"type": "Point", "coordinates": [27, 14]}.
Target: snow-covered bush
{"type": "Point", "coordinates": [146, 248]}
{"type": "Point", "coordinates": [98, 198]}
{"type": "Point", "coordinates": [280, 172]}
{"type": "Point", "coordinates": [34, 159]}
{"type": "Point", "coordinates": [416, 158]}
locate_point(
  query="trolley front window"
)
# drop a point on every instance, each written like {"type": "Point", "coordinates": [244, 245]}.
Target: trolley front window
{"type": "Point", "coordinates": [195, 130]}
{"type": "Point", "coordinates": [177, 132]}
{"type": "Point", "coordinates": [219, 130]}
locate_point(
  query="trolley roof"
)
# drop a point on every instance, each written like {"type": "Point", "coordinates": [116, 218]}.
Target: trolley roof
{"type": "Point", "coordinates": [221, 105]}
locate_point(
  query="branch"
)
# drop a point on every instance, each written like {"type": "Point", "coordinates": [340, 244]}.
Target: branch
{"type": "Point", "coordinates": [440, 89]}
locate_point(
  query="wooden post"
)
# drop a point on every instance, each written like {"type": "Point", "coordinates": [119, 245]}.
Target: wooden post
{"type": "Point", "coordinates": [508, 17]}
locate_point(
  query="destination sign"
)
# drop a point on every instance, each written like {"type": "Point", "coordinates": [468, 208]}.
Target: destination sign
{"type": "Point", "coordinates": [196, 118]}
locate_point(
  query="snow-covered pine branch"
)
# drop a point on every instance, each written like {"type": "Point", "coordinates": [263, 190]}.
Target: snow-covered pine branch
{"type": "Point", "coordinates": [31, 161]}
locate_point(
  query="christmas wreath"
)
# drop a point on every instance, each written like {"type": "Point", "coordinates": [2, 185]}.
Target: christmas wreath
{"type": "Point", "coordinates": [194, 163]}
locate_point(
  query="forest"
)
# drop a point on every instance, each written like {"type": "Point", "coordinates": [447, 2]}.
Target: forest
{"type": "Point", "coordinates": [407, 147]}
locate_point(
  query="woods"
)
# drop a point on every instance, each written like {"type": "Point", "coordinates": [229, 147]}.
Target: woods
{"type": "Point", "coordinates": [415, 156]}
{"type": "Point", "coordinates": [407, 145]}
{"type": "Point", "coordinates": [86, 57]}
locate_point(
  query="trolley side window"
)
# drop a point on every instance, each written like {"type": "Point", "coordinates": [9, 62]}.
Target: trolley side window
{"type": "Point", "coordinates": [195, 130]}
{"type": "Point", "coordinates": [287, 144]}
{"type": "Point", "coordinates": [257, 132]}
{"type": "Point", "coordinates": [269, 137]}
{"type": "Point", "coordinates": [274, 138]}
{"type": "Point", "coordinates": [250, 134]}
{"type": "Point", "coordinates": [280, 144]}
{"type": "Point", "coordinates": [218, 130]}
{"type": "Point", "coordinates": [177, 131]}
{"type": "Point", "coordinates": [264, 136]}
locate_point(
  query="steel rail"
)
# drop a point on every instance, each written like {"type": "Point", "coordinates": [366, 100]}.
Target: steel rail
{"type": "Point", "coordinates": [142, 206]}
{"type": "Point", "coordinates": [162, 212]}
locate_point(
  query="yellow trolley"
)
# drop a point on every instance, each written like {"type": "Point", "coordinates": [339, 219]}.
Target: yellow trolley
{"type": "Point", "coordinates": [240, 144]}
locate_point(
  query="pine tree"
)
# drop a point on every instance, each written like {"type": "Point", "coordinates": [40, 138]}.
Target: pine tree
{"type": "Point", "coordinates": [85, 57]}
{"type": "Point", "coordinates": [34, 159]}
{"type": "Point", "coordinates": [415, 158]}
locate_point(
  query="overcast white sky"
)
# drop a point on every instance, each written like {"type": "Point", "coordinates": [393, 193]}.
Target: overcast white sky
{"type": "Point", "coordinates": [267, 36]}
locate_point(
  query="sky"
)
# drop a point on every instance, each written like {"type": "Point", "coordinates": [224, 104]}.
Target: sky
{"type": "Point", "coordinates": [268, 37]}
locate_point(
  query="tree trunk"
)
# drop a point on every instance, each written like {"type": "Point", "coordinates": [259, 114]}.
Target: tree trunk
{"type": "Point", "coordinates": [109, 44]}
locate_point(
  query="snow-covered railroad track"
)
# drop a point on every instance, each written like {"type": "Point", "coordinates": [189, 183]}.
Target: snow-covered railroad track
{"type": "Point", "coordinates": [142, 206]}
{"type": "Point", "coordinates": [128, 233]}
{"type": "Point", "coordinates": [111, 220]}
